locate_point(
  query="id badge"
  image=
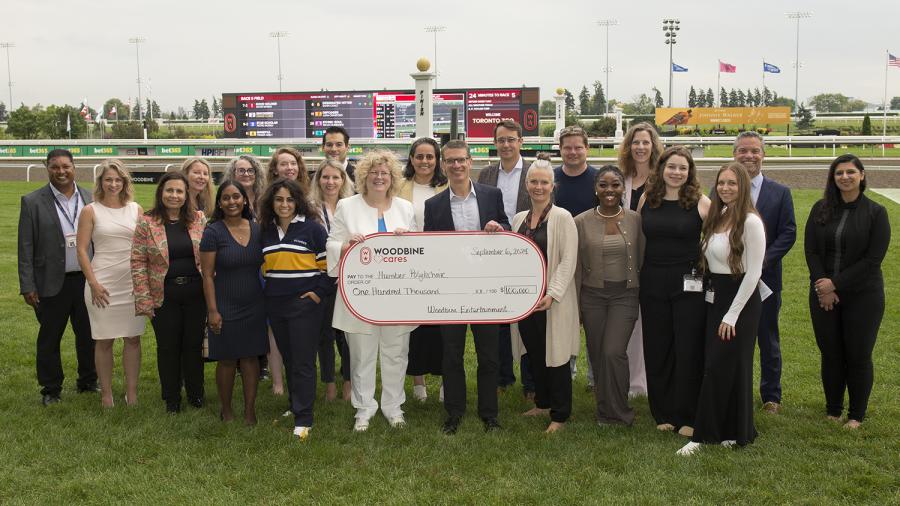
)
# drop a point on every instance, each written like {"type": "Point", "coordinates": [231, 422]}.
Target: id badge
{"type": "Point", "coordinates": [693, 283]}
{"type": "Point", "coordinates": [710, 296]}
{"type": "Point", "coordinates": [70, 240]}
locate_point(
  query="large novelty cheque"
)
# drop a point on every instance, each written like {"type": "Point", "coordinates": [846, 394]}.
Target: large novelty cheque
{"type": "Point", "coordinates": [442, 277]}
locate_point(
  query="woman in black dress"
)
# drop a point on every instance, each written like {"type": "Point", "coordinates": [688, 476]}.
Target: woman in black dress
{"type": "Point", "coordinates": [734, 245]}
{"type": "Point", "coordinates": [847, 237]}
{"type": "Point", "coordinates": [236, 313]}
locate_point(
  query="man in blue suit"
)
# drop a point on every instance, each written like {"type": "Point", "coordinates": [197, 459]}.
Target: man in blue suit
{"type": "Point", "coordinates": [775, 205]}
{"type": "Point", "coordinates": [467, 205]}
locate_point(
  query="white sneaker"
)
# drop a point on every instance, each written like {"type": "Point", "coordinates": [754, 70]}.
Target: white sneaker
{"type": "Point", "coordinates": [397, 422]}
{"type": "Point", "coordinates": [361, 425]}
{"type": "Point", "coordinates": [689, 449]}
{"type": "Point", "coordinates": [287, 414]}
{"type": "Point", "coordinates": [302, 433]}
{"type": "Point", "coordinates": [441, 395]}
{"type": "Point", "coordinates": [420, 393]}
{"type": "Point", "coordinates": [728, 443]}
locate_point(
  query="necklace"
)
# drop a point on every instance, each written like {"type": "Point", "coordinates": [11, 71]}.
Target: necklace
{"type": "Point", "coordinates": [597, 210]}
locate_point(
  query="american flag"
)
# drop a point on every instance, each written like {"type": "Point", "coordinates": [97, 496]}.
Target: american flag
{"type": "Point", "coordinates": [893, 61]}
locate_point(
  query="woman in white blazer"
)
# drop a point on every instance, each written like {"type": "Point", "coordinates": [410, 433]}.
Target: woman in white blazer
{"type": "Point", "coordinates": [374, 209]}
{"type": "Point", "coordinates": [551, 334]}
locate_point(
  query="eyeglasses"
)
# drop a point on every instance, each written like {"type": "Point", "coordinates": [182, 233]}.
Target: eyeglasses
{"type": "Point", "coordinates": [421, 157]}
{"type": "Point", "coordinates": [246, 172]}
{"type": "Point", "coordinates": [455, 161]}
{"type": "Point", "coordinates": [506, 140]}
{"type": "Point", "coordinates": [380, 174]}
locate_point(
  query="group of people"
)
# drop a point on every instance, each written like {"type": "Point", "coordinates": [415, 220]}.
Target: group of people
{"type": "Point", "coordinates": [672, 287]}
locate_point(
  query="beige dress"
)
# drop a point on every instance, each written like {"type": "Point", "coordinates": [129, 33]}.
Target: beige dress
{"type": "Point", "coordinates": [113, 231]}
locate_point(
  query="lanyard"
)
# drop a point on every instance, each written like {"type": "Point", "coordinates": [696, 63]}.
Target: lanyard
{"type": "Point", "coordinates": [65, 210]}
{"type": "Point", "coordinates": [327, 221]}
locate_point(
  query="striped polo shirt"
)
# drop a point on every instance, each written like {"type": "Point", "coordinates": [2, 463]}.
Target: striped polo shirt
{"type": "Point", "coordinates": [294, 260]}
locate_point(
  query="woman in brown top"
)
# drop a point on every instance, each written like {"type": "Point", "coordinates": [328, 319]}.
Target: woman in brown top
{"type": "Point", "coordinates": [610, 250]}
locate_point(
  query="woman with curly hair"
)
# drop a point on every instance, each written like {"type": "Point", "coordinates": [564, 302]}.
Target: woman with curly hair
{"type": "Point", "coordinates": [672, 214]}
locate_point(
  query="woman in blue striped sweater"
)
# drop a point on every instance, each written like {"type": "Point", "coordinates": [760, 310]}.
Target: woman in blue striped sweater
{"type": "Point", "coordinates": [296, 282]}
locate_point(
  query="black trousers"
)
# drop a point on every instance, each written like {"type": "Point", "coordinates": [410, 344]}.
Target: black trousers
{"type": "Point", "coordinates": [552, 385]}
{"type": "Point", "coordinates": [295, 323]}
{"type": "Point", "coordinates": [179, 325]}
{"type": "Point", "coordinates": [673, 324]}
{"type": "Point", "coordinates": [53, 313]}
{"type": "Point", "coordinates": [329, 339]}
{"type": "Point", "coordinates": [486, 348]}
{"type": "Point", "coordinates": [770, 349]}
{"type": "Point", "coordinates": [846, 337]}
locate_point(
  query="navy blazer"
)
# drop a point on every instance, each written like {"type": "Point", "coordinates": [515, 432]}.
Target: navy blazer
{"type": "Point", "coordinates": [776, 207]}
{"type": "Point", "coordinates": [490, 207]}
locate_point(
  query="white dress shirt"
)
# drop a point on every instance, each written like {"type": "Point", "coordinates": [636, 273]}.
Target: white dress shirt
{"type": "Point", "coordinates": [508, 183]}
{"type": "Point", "coordinates": [465, 210]}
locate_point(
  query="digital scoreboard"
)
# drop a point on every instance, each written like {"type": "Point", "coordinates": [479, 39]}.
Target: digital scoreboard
{"type": "Point", "coordinates": [375, 114]}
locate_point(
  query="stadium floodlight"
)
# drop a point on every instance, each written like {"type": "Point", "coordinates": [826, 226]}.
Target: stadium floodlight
{"type": "Point", "coordinates": [798, 15]}
{"type": "Point", "coordinates": [606, 23]}
{"type": "Point", "coordinates": [278, 36]}
{"type": "Point", "coordinates": [435, 29]}
{"type": "Point", "coordinates": [137, 41]}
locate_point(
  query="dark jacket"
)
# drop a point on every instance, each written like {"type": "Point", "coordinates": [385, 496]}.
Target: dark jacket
{"type": "Point", "coordinates": [489, 175]}
{"type": "Point", "coordinates": [438, 216]}
{"type": "Point", "coordinates": [776, 207]}
{"type": "Point", "coordinates": [42, 246]}
{"type": "Point", "coordinates": [865, 237]}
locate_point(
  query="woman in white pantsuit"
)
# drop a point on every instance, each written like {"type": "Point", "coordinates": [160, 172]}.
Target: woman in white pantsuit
{"type": "Point", "coordinates": [374, 209]}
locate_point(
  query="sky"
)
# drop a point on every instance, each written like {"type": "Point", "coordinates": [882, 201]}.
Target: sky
{"type": "Point", "coordinates": [66, 51]}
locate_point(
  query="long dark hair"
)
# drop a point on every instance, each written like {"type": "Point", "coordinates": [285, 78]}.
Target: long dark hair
{"type": "Point", "coordinates": [689, 193]}
{"type": "Point", "coordinates": [186, 214]}
{"type": "Point", "coordinates": [219, 214]}
{"type": "Point", "coordinates": [438, 178]}
{"type": "Point", "coordinates": [302, 206]}
{"type": "Point", "coordinates": [832, 198]}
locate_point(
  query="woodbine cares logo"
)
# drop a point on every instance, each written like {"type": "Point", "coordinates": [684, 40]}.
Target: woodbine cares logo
{"type": "Point", "coordinates": [368, 255]}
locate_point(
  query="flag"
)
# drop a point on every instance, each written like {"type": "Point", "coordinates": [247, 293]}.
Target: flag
{"type": "Point", "coordinates": [68, 122]}
{"type": "Point", "coordinates": [772, 69]}
{"type": "Point", "coordinates": [727, 67]}
{"type": "Point", "coordinates": [893, 61]}
{"type": "Point", "coordinates": [113, 111]}
{"type": "Point", "coordinates": [100, 114]}
{"type": "Point", "coordinates": [678, 68]}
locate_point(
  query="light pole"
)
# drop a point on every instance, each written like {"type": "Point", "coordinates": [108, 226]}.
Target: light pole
{"type": "Point", "coordinates": [278, 36]}
{"type": "Point", "coordinates": [606, 23]}
{"type": "Point", "coordinates": [7, 45]}
{"type": "Point", "coordinates": [435, 29]}
{"type": "Point", "coordinates": [137, 41]}
{"type": "Point", "coordinates": [798, 15]}
{"type": "Point", "coordinates": [670, 28]}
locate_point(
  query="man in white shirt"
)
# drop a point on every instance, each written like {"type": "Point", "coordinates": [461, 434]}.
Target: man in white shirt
{"type": "Point", "coordinates": [508, 175]}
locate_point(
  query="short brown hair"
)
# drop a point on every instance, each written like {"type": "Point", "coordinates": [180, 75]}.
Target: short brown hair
{"type": "Point", "coordinates": [509, 125]}
{"type": "Point", "coordinates": [573, 131]}
{"type": "Point", "coordinates": [456, 144]}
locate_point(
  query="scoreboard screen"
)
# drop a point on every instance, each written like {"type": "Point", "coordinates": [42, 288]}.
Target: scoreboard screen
{"type": "Point", "coordinates": [375, 114]}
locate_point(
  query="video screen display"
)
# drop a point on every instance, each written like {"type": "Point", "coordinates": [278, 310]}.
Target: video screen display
{"type": "Point", "coordinates": [375, 114]}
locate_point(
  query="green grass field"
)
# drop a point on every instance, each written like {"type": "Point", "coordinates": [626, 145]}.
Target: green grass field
{"type": "Point", "coordinates": [74, 452]}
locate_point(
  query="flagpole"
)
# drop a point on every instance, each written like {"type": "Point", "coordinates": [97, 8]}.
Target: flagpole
{"type": "Point", "coordinates": [764, 73]}
{"type": "Point", "coordinates": [887, 57]}
{"type": "Point", "coordinates": [719, 83]}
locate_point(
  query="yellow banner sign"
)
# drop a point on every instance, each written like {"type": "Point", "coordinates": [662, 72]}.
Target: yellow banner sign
{"type": "Point", "coordinates": [674, 116]}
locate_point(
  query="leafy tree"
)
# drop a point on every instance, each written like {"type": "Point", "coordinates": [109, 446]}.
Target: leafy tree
{"type": "Point", "coordinates": [182, 114]}
{"type": "Point", "coordinates": [856, 105]}
{"type": "Point", "coordinates": [757, 97]}
{"type": "Point", "coordinates": [710, 98]}
{"type": "Point", "coordinates": [836, 102]}
{"type": "Point", "coordinates": [548, 108]}
{"type": "Point", "coordinates": [133, 129]}
{"type": "Point", "coordinates": [3, 112]}
{"type": "Point", "coordinates": [767, 96]}
{"type": "Point", "coordinates": [641, 105]}
{"type": "Point", "coordinates": [657, 98]}
{"type": "Point", "coordinates": [866, 125]}
{"type": "Point", "coordinates": [782, 101]}
{"type": "Point", "coordinates": [741, 98]}
{"type": "Point", "coordinates": [603, 127]}
{"type": "Point", "coordinates": [53, 122]}
{"type": "Point", "coordinates": [570, 101]}
{"type": "Point", "coordinates": [24, 123]}
{"type": "Point", "coordinates": [805, 119]}
{"type": "Point", "coordinates": [895, 103]}
{"type": "Point", "coordinates": [599, 99]}
{"type": "Point", "coordinates": [196, 109]}
{"type": "Point", "coordinates": [216, 108]}
{"type": "Point", "coordinates": [692, 97]}
{"type": "Point", "coordinates": [171, 116]}
{"type": "Point", "coordinates": [204, 109]}
{"type": "Point", "coordinates": [723, 98]}
{"type": "Point", "coordinates": [733, 98]}
{"type": "Point", "coordinates": [584, 101]}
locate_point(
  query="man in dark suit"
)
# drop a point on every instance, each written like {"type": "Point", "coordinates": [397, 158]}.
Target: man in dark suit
{"type": "Point", "coordinates": [508, 175]}
{"type": "Point", "coordinates": [336, 144]}
{"type": "Point", "coordinates": [466, 205]}
{"type": "Point", "coordinates": [776, 207]}
{"type": "Point", "coordinates": [50, 277]}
